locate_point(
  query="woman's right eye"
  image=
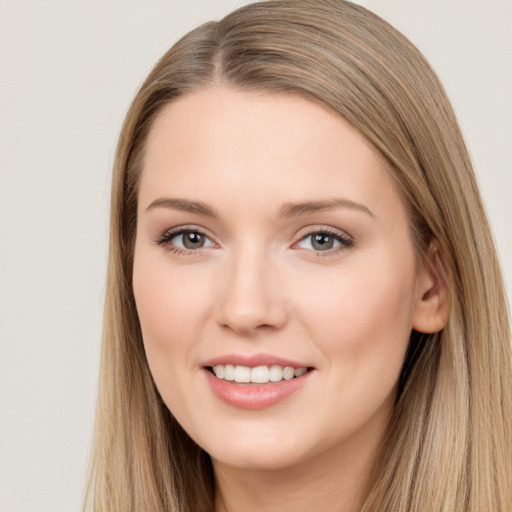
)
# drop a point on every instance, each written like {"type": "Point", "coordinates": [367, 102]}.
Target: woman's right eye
{"type": "Point", "coordinates": [185, 240]}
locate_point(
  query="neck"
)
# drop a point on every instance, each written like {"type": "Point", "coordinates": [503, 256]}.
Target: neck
{"type": "Point", "coordinates": [336, 480]}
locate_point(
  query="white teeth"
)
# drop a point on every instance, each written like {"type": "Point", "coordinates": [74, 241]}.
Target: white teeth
{"type": "Point", "coordinates": [276, 373]}
{"type": "Point", "coordinates": [242, 374]}
{"type": "Point", "coordinates": [299, 372]}
{"type": "Point", "coordinates": [258, 374]}
{"type": "Point", "coordinates": [229, 371]}
{"type": "Point", "coordinates": [219, 371]}
{"type": "Point", "coordinates": [288, 373]}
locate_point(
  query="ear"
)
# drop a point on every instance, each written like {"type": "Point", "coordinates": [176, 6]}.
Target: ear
{"type": "Point", "coordinates": [432, 303]}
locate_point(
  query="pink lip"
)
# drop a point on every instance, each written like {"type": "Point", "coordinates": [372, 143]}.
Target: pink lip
{"type": "Point", "coordinates": [253, 396]}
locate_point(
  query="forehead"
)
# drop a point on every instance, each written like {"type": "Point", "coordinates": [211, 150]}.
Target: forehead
{"type": "Point", "coordinates": [244, 144]}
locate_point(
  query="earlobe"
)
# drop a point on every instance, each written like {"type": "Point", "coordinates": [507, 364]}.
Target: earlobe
{"type": "Point", "coordinates": [432, 303]}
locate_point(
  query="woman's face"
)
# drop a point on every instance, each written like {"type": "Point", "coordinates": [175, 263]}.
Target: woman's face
{"type": "Point", "coordinates": [271, 241]}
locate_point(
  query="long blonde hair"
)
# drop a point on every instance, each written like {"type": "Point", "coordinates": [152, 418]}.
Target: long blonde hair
{"type": "Point", "coordinates": [449, 442]}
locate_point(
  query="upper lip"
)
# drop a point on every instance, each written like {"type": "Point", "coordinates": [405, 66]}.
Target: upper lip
{"type": "Point", "coordinates": [253, 360]}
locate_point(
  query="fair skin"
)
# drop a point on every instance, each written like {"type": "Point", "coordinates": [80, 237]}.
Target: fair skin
{"type": "Point", "coordinates": [270, 231]}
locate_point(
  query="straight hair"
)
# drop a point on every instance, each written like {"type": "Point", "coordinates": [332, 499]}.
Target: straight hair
{"type": "Point", "coordinates": [448, 445]}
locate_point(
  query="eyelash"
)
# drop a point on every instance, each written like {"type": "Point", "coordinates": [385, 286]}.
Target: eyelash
{"type": "Point", "coordinates": [165, 240]}
{"type": "Point", "coordinates": [345, 241]}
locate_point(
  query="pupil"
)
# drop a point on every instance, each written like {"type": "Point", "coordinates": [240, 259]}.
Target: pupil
{"type": "Point", "coordinates": [193, 240]}
{"type": "Point", "coordinates": [322, 242]}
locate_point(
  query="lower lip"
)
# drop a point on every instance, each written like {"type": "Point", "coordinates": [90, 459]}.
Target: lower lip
{"type": "Point", "coordinates": [254, 396]}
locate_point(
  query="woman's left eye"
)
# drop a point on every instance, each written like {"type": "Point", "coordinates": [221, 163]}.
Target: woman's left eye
{"type": "Point", "coordinates": [322, 241]}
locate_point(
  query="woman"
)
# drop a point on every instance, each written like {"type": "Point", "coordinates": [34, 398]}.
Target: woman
{"type": "Point", "coordinates": [304, 304]}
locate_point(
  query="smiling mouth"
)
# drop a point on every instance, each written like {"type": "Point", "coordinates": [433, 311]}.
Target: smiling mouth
{"type": "Point", "coordinates": [258, 374]}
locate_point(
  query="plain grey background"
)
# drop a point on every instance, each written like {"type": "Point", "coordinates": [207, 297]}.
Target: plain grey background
{"type": "Point", "coordinates": [68, 71]}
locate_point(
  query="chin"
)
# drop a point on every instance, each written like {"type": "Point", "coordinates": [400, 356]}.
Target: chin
{"type": "Point", "coordinates": [258, 459]}
{"type": "Point", "coordinates": [261, 451]}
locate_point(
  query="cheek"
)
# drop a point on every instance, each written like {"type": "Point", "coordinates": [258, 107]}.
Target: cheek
{"type": "Point", "coordinates": [163, 303]}
{"type": "Point", "coordinates": [361, 323]}
{"type": "Point", "coordinates": [169, 298]}
{"type": "Point", "coordinates": [169, 305]}
{"type": "Point", "coordinates": [362, 317]}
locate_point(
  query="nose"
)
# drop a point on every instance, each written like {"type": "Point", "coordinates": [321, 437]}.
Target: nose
{"type": "Point", "coordinates": [251, 297]}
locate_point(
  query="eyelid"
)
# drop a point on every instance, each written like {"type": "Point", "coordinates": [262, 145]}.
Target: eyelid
{"type": "Point", "coordinates": [165, 238]}
{"type": "Point", "coordinates": [345, 239]}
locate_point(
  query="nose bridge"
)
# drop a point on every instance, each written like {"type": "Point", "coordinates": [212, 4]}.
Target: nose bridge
{"type": "Point", "coordinates": [251, 297]}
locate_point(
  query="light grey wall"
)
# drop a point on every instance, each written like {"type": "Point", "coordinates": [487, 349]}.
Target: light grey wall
{"type": "Point", "coordinates": [68, 70]}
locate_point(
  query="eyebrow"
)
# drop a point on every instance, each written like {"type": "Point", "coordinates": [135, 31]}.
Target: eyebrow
{"type": "Point", "coordinates": [304, 208]}
{"type": "Point", "coordinates": [286, 211]}
{"type": "Point", "coordinates": [184, 205]}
